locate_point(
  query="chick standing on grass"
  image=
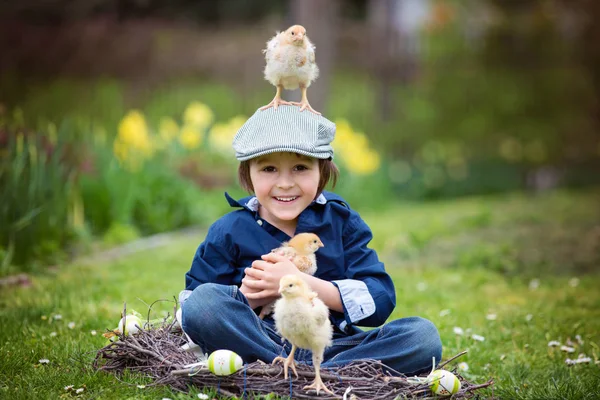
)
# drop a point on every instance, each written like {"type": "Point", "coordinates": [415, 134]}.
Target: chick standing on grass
{"type": "Point", "coordinates": [301, 251]}
{"type": "Point", "coordinates": [303, 319]}
{"type": "Point", "coordinates": [291, 65]}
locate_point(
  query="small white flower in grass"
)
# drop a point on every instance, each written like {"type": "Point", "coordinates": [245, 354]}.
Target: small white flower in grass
{"type": "Point", "coordinates": [44, 361]}
{"type": "Point", "coordinates": [421, 286]}
{"type": "Point", "coordinates": [502, 357]}
{"type": "Point", "coordinates": [583, 358]}
{"type": "Point", "coordinates": [463, 366]}
{"type": "Point", "coordinates": [553, 343]}
{"type": "Point", "coordinates": [458, 330]}
{"type": "Point", "coordinates": [79, 391]}
{"type": "Point", "coordinates": [445, 312]}
{"type": "Point", "coordinates": [579, 340]}
{"type": "Point", "coordinates": [94, 333]}
{"type": "Point", "coordinates": [203, 396]}
{"type": "Point", "coordinates": [491, 317]}
{"type": "Point", "coordinates": [57, 317]}
{"type": "Point", "coordinates": [141, 386]}
{"type": "Point", "coordinates": [71, 325]}
{"type": "Point", "coordinates": [534, 284]}
{"type": "Point", "coordinates": [528, 317]}
{"type": "Point", "coordinates": [53, 334]}
{"type": "Point", "coordinates": [479, 338]}
{"type": "Point", "coordinates": [574, 282]}
{"type": "Point", "coordinates": [567, 349]}
{"type": "Point", "coordinates": [69, 388]}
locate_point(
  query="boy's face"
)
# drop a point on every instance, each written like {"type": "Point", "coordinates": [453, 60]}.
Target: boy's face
{"type": "Point", "coordinates": [284, 184]}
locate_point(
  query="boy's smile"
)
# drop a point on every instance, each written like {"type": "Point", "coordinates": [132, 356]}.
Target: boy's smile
{"type": "Point", "coordinates": [284, 184]}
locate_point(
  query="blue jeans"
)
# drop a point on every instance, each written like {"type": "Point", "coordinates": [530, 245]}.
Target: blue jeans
{"type": "Point", "coordinates": [219, 317]}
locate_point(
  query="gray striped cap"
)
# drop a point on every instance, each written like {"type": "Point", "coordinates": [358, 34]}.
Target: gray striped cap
{"type": "Point", "coordinates": [285, 129]}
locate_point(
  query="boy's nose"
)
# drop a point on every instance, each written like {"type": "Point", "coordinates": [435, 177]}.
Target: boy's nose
{"type": "Point", "coordinates": [285, 182]}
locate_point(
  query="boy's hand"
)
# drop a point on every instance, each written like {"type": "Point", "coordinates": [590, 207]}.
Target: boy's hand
{"type": "Point", "coordinates": [263, 278]}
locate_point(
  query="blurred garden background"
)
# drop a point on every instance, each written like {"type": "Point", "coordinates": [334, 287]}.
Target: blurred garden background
{"type": "Point", "coordinates": [468, 134]}
{"type": "Point", "coordinates": [117, 116]}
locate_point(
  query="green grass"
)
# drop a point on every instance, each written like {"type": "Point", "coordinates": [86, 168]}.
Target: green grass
{"type": "Point", "coordinates": [473, 257]}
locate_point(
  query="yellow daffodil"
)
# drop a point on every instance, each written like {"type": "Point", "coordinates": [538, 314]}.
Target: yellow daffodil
{"type": "Point", "coordinates": [221, 135]}
{"type": "Point", "coordinates": [353, 149]}
{"type": "Point", "coordinates": [133, 132]}
{"type": "Point", "coordinates": [132, 144]}
{"type": "Point", "coordinates": [190, 137]}
{"type": "Point", "coordinates": [198, 114]}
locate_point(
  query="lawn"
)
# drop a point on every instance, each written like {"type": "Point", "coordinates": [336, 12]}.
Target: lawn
{"type": "Point", "coordinates": [517, 270]}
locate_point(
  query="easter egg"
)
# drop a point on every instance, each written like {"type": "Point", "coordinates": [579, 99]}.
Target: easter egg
{"type": "Point", "coordinates": [443, 382]}
{"type": "Point", "coordinates": [224, 362]}
{"type": "Point", "coordinates": [131, 321]}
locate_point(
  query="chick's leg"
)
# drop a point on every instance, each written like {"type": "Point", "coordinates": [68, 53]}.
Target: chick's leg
{"type": "Point", "coordinates": [304, 102]}
{"type": "Point", "coordinates": [287, 362]}
{"type": "Point", "coordinates": [318, 384]}
{"type": "Point", "coordinates": [277, 100]}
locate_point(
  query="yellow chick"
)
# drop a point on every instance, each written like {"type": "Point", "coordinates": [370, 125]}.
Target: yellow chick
{"type": "Point", "coordinates": [290, 57]}
{"type": "Point", "coordinates": [301, 251]}
{"type": "Point", "coordinates": [303, 319]}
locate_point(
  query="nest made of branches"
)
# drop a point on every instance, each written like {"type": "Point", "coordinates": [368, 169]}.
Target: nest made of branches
{"type": "Point", "coordinates": [157, 353]}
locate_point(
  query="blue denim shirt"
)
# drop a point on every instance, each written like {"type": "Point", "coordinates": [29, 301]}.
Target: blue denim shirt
{"type": "Point", "coordinates": [240, 237]}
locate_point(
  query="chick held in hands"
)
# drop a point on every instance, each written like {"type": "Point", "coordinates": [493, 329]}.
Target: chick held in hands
{"type": "Point", "coordinates": [291, 64]}
{"type": "Point", "coordinates": [301, 251]}
{"type": "Point", "coordinates": [302, 319]}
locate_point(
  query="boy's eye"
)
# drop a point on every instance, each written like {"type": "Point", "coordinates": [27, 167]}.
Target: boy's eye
{"type": "Point", "coordinates": [300, 167]}
{"type": "Point", "coordinates": [268, 169]}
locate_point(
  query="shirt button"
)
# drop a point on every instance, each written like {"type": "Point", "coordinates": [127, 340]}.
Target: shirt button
{"type": "Point", "coordinates": [259, 221]}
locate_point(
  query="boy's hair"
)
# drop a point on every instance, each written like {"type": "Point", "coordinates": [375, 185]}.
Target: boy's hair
{"type": "Point", "coordinates": [328, 171]}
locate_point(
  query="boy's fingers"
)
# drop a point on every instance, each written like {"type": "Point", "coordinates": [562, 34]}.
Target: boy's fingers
{"type": "Point", "coordinates": [273, 257]}
{"type": "Point", "coordinates": [257, 295]}
{"type": "Point", "coordinates": [254, 273]}
{"type": "Point", "coordinates": [260, 264]}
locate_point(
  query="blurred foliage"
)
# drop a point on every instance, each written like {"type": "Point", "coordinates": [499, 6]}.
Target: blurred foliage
{"type": "Point", "coordinates": [501, 106]}
{"type": "Point", "coordinates": [38, 173]}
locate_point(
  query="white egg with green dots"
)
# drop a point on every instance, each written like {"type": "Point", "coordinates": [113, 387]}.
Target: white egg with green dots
{"type": "Point", "coordinates": [443, 382]}
{"type": "Point", "coordinates": [224, 362]}
{"type": "Point", "coordinates": [132, 324]}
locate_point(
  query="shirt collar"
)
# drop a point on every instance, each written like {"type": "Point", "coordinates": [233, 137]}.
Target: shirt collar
{"type": "Point", "coordinates": [251, 202]}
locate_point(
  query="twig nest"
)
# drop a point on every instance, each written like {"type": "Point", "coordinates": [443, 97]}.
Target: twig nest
{"type": "Point", "coordinates": [224, 362]}
{"type": "Point", "coordinates": [133, 323]}
{"type": "Point", "coordinates": [443, 382]}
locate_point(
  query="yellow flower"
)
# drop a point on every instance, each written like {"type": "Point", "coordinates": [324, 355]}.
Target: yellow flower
{"type": "Point", "coordinates": [198, 114]}
{"type": "Point", "coordinates": [221, 135]}
{"type": "Point", "coordinates": [133, 132]}
{"type": "Point", "coordinates": [168, 129]}
{"type": "Point", "coordinates": [353, 149]}
{"type": "Point", "coordinates": [365, 164]}
{"type": "Point", "coordinates": [190, 137]}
